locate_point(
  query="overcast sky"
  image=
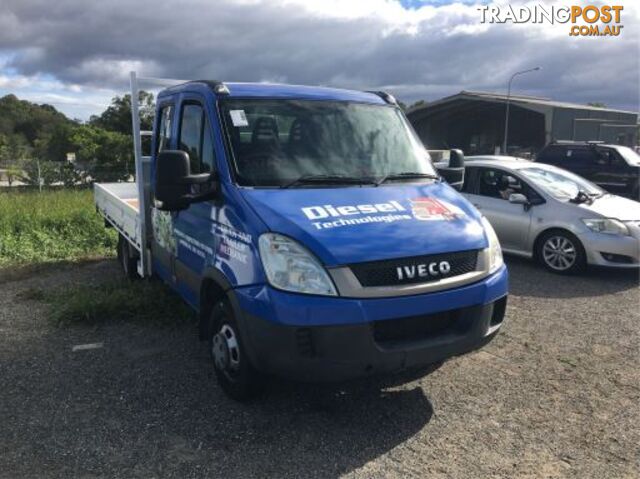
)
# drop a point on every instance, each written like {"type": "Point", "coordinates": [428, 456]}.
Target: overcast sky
{"type": "Point", "coordinates": [77, 56]}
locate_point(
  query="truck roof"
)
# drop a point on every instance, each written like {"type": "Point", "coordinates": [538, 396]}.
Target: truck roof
{"type": "Point", "coordinates": [282, 91]}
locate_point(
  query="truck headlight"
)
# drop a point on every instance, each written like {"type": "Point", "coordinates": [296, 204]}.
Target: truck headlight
{"type": "Point", "coordinates": [607, 226]}
{"type": "Point", "coordinates": [291, 267]}
{"type": "Point", "coordinates": [495, 251]}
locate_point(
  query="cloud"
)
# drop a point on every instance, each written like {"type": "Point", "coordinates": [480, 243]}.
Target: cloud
{"type": "Point", "coordinates": [426, 51]}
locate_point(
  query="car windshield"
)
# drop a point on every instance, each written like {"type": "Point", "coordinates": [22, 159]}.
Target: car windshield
{"type": "Point", "coordinates": [295, 142]}
{"type": "Point", "coordinates": [560, 184]}
{"type": "Point", "coordinates": [630, 156]}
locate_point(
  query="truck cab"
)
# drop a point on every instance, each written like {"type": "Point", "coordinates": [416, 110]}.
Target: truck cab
{"type": "Point", "coordinates": [313, 235]}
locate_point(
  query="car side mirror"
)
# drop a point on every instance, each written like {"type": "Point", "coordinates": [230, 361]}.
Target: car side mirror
{"type": "Point", "coordinates": [518, 199]}
{"type": "Point", "coordinates": [173, 181]}
{"type": "Point", "coordinates": [454, 172]}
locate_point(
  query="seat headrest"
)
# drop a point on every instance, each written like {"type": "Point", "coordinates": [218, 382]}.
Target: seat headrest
{"type": "Point", "coordinates": [265, 130]}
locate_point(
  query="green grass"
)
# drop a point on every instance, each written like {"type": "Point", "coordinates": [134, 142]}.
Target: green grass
{"type": "Point", "coordinates": [120, 300]}
{"type": "Point", "coordinates": [55, 225]}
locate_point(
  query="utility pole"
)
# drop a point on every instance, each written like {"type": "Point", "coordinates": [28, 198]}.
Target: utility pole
{"type": "Point", "coordinates": [506, 118]}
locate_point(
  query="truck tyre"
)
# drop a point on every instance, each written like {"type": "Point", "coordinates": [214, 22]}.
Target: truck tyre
{"type": "Point", "coordinates": [128, 262]}
{"type": "Point", "coordinates": [235, 373]}
{"type": "Point", "coordinates": [561, 252]}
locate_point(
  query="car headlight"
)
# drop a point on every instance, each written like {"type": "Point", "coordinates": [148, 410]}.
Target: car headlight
{"type": "Point", "coordinates": [607, 226]}
{"type": "Point", "coordinates": [495, 251]}
{"type": "Point", "coordinates": [291, 267]}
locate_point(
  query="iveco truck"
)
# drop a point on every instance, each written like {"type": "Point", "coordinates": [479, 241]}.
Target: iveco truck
{"type": "Point", "coordinates": [310, 231]}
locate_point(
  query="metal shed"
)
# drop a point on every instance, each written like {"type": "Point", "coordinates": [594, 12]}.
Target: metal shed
{"type": "Point", "coordinates": [474, 122]}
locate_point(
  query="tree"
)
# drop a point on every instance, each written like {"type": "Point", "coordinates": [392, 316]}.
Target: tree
{"type": "Point", "coordinates": [104, 155]}
{"type": "Point", "coordinates": [35, 172]}
{"type": "Point", "coordinates": [54, 144]}
{"type": "Point", "coordinates": [69, 175]}
{"type": "Point", "coordinates": [417, 104]}
{"type": "Point", "coordinates": [117, 117]}
{"type": "Point", "coordinates": [13, 173]}
{"type": "Point", "coordinates": [597, 104]}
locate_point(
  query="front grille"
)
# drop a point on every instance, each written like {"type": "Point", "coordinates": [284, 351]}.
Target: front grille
{"type": "Point", "coordinates": [415, 328]}
{"type": "Point", "coordinates": [385, 273]}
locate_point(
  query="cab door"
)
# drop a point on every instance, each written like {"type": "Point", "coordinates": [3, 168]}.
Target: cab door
{"type": "Point", "coordinates": [196, 241]}
{"type": "Point", "coordinates": [163, 243]}
{"type": "Point", "coordinates": [488, 191]}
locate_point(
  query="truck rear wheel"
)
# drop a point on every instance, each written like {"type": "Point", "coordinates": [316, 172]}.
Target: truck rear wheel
{"type": "Point", "coordinates": [235, 373]}
{"type": "Point", "coordinates": [128, 262]}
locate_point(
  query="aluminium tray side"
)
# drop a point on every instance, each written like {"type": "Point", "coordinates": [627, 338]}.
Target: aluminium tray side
{"type": "Point", "coordinates": [118, 204]}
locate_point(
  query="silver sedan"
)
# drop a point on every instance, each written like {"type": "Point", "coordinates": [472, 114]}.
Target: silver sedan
{"type": "Point", "coordinates": [552, 215]}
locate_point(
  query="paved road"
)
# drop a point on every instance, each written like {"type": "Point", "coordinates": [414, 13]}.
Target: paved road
{"type": "Point", "coordinates": [555, 395]}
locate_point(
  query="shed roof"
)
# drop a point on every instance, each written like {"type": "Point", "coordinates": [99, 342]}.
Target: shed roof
{"type": "Point", "coordinates": [515, 98]}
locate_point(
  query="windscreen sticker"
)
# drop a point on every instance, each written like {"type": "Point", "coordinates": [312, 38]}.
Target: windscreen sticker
{"type": "Point", "coordinates": [422, 209]}
{"type": "Point", "coordinates": [238, 118]}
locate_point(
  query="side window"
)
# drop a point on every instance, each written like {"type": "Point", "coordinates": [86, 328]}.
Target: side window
{"type": "Point", "coordinates": [190, 134]}
{"type": "Point", "coordinates": [498, 184]}
{"type": "Point", "coordinates": [469, 180]}
{"type": "Point", "coordinates": [195, 138]}
{"type": "Point", "coordinates": [609, 157]}
{"type": "Point", "coordinates": [582, 156]}
{"type": "Point", "coordinates": [552, 154]}
{"type": "Point", "coordinates": [164, 128]}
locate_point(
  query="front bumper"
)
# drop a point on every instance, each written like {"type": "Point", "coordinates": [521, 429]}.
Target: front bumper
{"type": "Point", "coordinates": [331, 339]}
{"type": "Point", "coordinates": [600, 247]}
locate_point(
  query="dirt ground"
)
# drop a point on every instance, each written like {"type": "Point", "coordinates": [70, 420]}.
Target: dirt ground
{"type": "Point", "coordinates": [557, 394]}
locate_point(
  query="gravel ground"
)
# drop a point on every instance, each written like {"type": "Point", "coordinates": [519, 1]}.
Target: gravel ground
{"type": "Point", "coordinates": [556, 394]}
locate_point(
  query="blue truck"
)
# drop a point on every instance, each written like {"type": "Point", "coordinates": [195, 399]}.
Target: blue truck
{"type": "Point", "coordinates": [309, 230]}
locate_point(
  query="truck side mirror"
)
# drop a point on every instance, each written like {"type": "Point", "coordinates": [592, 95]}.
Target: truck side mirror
{"type": "Point", "coordinates": [454, 172]}
{"type": "Point", "coordinates": [173, 181]}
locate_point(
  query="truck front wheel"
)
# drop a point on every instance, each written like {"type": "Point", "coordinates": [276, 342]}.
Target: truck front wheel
{"type": "Point", "coordinates": [235, 373]}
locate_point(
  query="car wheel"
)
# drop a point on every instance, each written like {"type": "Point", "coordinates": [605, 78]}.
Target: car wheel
{"type": "Point", "coordinates": [561, 252]}
{"type": "Point", "coordinates": [128, 262]}
{"type": "Point", "coordinates": [235, 373]}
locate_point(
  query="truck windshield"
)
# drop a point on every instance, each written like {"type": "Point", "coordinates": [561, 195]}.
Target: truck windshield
{"type": "Point", "coordinates": [278, 143]}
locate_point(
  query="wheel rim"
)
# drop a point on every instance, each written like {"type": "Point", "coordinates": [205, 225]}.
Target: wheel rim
{"type": "Point", "coordinates": [559, 253]}
{"type": "Point", "coordinates": [226, 350]}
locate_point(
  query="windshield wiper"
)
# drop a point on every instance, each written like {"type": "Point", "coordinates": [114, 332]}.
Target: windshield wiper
{"type": "Point", "coordinates": [327, 180]}
{"type": "Point", "coordinates": [406, 175]}
{"type": "Point", "coordinates": [595, 196]}
{"type": "Point", "coordinates": [581, 197]}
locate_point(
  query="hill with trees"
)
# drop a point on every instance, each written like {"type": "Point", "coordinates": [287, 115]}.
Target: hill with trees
{"type": "Point", "coordinates": [39, 144]}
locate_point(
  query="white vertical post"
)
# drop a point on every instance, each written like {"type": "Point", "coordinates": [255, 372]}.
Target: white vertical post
{"type": "Point", "coordinates": [39, 176]}
{"type": "Point", "coordinates": [140, 180]}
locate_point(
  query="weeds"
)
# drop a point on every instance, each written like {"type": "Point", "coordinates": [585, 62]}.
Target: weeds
{"type": "Point", "coordinates": [54, 225]}
{"type": "Point", "coordinates": [122, 300]}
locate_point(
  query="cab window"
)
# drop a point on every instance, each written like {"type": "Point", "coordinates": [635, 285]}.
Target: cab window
{"type": "Point", "coordinates": [195, 138]}
{"type": "Point", "coordinates": [164, 128]}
